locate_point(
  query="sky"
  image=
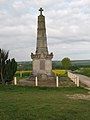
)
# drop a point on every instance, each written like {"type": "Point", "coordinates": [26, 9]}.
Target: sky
{"type": "Point", "coordinates": [67, 28]}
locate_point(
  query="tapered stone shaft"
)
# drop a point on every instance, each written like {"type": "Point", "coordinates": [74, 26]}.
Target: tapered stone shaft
{"type": "Point", "coordinates": [41, 35]}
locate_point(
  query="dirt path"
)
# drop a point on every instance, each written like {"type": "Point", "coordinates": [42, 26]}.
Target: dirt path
{"type": "Point", "coordinates": [84, 79]}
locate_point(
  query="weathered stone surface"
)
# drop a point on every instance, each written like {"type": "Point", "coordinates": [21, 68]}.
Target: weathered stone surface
{"type": "Point", "coordinates": [42, 60]}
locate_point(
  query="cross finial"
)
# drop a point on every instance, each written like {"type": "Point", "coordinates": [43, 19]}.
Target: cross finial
{"type": "Point", "coordinates": [40, 11]}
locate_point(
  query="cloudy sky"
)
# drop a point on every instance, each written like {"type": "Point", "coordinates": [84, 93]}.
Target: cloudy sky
{"type": "Point", "coordinates": [67, 25]}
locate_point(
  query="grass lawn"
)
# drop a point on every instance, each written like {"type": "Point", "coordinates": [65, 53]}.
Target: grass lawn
{"type": "Point", "coordinates": [43, 103]}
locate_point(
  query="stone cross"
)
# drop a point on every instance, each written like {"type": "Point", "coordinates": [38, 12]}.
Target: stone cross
{"type": "Point", "coordinates": [40, 11]}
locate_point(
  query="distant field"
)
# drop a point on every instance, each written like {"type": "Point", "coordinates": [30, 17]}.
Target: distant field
{"type": "Point", "coordinates": [42, 103]}
{"type": "Point", "coordinates": [84, 71]}
{"type": "Point", "coordinates": [57, 61]}
{"type": "Point", "coordinates": [27, 65]}
{"type": "Point", "coordinates": [59, 72]}
{"type": "Point", "coordinates": [26, 73]}
{"type": "Point", "coordinates": [87, 62]}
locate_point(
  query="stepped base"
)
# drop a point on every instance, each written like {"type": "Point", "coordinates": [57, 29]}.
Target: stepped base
{"type": "Point", "coordinates": [63, 82]}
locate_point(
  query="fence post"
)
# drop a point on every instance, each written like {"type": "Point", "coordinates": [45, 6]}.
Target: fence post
{"type": "Point", "coordinates": [77, 81]}
{"type": "Point", "coordinates": [56, 81]}
{"type": "Point", "coordinates": [15, 81]}
{"type": "Point", "coordinates": [68, 74]}
{"type": "Point", "coordinates": [72, 78]}
{"type": "Point", "coordinates": [36, 82]}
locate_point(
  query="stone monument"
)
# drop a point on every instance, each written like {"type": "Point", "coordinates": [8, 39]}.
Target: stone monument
{"type": "Point", "coordinates": [42, 60]}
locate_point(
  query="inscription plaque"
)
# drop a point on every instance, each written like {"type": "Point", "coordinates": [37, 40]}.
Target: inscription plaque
{"type": "Point", "coordinates": [42, 64]}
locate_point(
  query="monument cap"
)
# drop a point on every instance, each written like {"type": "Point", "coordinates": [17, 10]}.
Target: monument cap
{"type": "Point", "coordinates": [41, 11]}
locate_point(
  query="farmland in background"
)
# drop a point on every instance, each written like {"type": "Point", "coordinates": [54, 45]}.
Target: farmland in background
{"type": "Point", "coordinates": [28, 73]}
{"type": "Point", "coordinates": [76, 64]}
{"type": "Point", "coordinates": [79, 66]}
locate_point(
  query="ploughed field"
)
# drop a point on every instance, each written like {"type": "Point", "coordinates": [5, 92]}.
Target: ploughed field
{"type": "Point", "coordinates": [43, 103]}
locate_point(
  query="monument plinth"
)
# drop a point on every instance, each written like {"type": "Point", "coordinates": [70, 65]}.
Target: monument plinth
{"type": "Point", "coordinates": [42, 60]}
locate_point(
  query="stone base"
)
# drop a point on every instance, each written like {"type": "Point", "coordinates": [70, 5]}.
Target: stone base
{"type": "Point", "coordinates": [44, 77]}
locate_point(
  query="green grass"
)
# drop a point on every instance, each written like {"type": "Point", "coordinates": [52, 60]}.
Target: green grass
{"type": "Point", "coordinates": [42, 103]}
{"type": "Point", "coordinates": [83, 71]}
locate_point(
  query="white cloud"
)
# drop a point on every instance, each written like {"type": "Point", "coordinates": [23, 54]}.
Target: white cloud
{"type": "Point", "coordinates": [67, 22]}
{"type": "Point", "coordinates": [18, 5]}
{"type": "Point", "coordinates": [1, 1]}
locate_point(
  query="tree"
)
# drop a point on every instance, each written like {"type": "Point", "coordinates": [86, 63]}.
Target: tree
{"type": "Point", "coordinates": [3, 58]}
{"type": "Point", "coordinates": [11, 67]}
{"type": "Point", "coordinates": [7, 67]}
{"type": "Point", "coordinates": [66, 63]}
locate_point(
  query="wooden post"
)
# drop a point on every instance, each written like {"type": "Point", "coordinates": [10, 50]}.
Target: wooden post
{"type": "Point", "coordinates": [15, 81]}
{"type": "Point", "coordinates": [75, 77]}
{"type": "Point", "coordinates": [71, 77]}
{"type": "Point", "coordinates": [56, 81]}
{"type": "Point", "coordinates": [77, 81]}
{"type": "Point", "coordinates": [36, 82]}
